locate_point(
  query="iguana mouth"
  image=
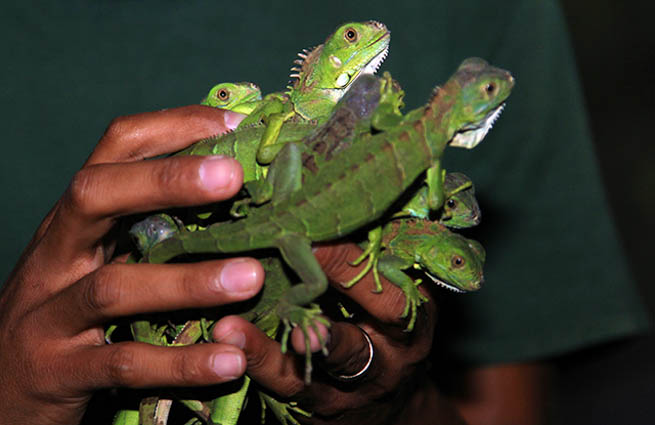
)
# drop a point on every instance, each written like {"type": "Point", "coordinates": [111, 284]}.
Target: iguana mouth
{"type": "Point", "coordinates": [470, 136]}
{"type": "Point", "coordinates": [444, 284]}
{"type": "Point", "coordinates": [374, 64]}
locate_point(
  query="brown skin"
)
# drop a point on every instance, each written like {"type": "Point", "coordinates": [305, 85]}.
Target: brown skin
{"type": "Point", "coordinates": [65, 288]}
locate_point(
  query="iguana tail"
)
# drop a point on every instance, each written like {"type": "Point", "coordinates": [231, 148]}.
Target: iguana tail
{"type": "Point", "coordinates": [238, 236]}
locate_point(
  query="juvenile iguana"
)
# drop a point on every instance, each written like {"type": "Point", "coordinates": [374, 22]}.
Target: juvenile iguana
{"type": "Point", "coordinates": [225, 409]}
{"type": "Point", "coordinates": [355, 187]}
{"type": "Point", "coordinates": [352, 116]}
{"type": "Point", "coordinates": [241, 97]}
{"type": "Point", "coordinates": [447, 258]}
{"type": "Point", "coordinates": [460, 208]}
{"type": "Point", "coordinates": [322, 76]}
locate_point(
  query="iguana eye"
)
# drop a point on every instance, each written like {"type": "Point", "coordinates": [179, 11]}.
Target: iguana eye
{"type": "Point", "coordinates": [490, 88]}
{"type": "Point", "coordinates": [223, 94]}
{"type": "Point", "coordinates": [457, 261]}
{"type": "Point", "coordinates": [451, 203]}
{"type": "Point", "coordinates": [350, 35]}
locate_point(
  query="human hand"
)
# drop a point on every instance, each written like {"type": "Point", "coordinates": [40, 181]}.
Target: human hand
{"type": "Point", "coordinates": [64, 288]}
{"type": "Point", "coordinates": [386, 385]}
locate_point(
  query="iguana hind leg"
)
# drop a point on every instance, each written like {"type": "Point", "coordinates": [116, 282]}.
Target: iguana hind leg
{"type": "Point", "coordinates": [268, 146]}
{"type": "Point", "coordinates": [283, 178]}
{"type": "Point", "coordinates": [372, 252]}
{"type": "Point", "coordinates": [281, 410]}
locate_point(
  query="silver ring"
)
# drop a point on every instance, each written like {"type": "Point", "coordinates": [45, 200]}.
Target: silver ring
{"type": "Point", "coordinates": [356, 375]}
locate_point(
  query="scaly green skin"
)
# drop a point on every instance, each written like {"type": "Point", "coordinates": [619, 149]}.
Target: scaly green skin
{"type": "Point", "coordinates": [154, 229]}
{"type": "Point", "coordinates": [352, 116]}
{"type": "Point", "coordinates": [449, 259]}
{"type": "Point", "coordinates": [242, 145]}
{"type": "Point", "coordinates": [354, 188]}
{"type": "Point", "coordinates": [323, 76]}
{"type": "Point", "coordinates": [460, 209]}
{"type": "Point", "coordinates": [241, 97]}
{"type": "Point", "coordinates": [225, 409]}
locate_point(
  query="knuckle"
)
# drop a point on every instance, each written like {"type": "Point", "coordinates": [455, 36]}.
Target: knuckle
{"type": "Point", "coordinates": [121, 366]}
{"type": "Point", "coordinates": [118, 128]}
{"type": "Point", "coordinates": [80, 193]}
{"type": "Point", "coordinates": [123, 131]}
{"type": "Point", "coordinates": [104, 290]}
{"type": "Point", "coordinates": [257, 360]}
{"type": "Point", "coordinates": [292, 389]}
{"type": "Point", "coordinates": [172, 174]}
{"type": "Point", "coordinates": [288, 386]}
{"type": "Point", "coordinates": [184, 370]}
{"type": "Point", "coordinates": [189, 284]}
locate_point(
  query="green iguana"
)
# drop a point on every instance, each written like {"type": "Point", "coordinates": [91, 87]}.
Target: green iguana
{"type": "Point", "coordinates": [352, 116]}
{"type": "Point", "coordinates": [241, 97]}
{"type": "Point", "coordinates": [322, 76]}
{"type": "Point", "coordinates": [227, 408]}
{"type": "Point", "coordinates": [447, 258]}
{"type": "Point", "coordinates": [354, 188]}
{"type": "Point", "coordinates": [152, 230]}
{"type": "Point", "coordinates": [460, 208]}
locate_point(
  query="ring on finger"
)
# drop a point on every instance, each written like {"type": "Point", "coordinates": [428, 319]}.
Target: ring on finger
{"type": "Point", "coordinates": [363, 370]}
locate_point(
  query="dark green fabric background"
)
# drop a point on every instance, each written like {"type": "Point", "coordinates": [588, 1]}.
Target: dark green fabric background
{"type": "Point", "coordinates": [556, 280]}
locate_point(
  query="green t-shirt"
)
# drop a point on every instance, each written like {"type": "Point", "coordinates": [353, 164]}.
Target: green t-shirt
{"type": "Point", "coordinates": [556, 279]}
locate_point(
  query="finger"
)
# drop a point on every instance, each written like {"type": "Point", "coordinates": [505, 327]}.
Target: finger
{"type": "Point", "coordinates": [316, 333]}
{"type": "Point", "coordinates": [348, 349]}
{"type": "Point", "coordinates": [386, 306]}
{"type": "Point", "coordinates": [140, 365]}
{"type": "Point", "coordinates": [135, 137]}
{"type": "Point", "coordinates": [100, 193]}
{"type": "Point", "coordinates": [119, 290]}
{"type": "Point", "coordinates": [266, 364]}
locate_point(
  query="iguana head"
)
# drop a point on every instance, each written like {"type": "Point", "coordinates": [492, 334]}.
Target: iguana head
{"type": "Point", "coordinates": [478, 91]}
{"type": "Point", "coordinates": [325, 73]}
{"type": "Point", "coordinates": [453, 262]}
{"type": "Point", "coordinates": [153, 229]}
{"type": "Point", "coordinates": [460, 209]}
{"type": "Point", "coordinates": [237, 97]}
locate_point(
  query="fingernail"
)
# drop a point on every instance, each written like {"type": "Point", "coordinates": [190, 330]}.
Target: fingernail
{"type": "Point", "coordinates": [227, 365]}
{"type": "Point", "coordinates": [236, 338]}
{"type": "Point", "coordinates": [232, 119]}
{"type": "Point", "coordinates": [238, 276]}
{"type": "Point", "coordinates": [216, 172]}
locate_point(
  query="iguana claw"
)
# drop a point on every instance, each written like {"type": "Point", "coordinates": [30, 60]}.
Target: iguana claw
{"type": "Point", "coordinates": [372, 252]}
{"type": "Point", "coordinates": [304, 318]}
{"type": "Point", "coordinates": [281, 410]}
{"type": "Point", "coordinates": [413, 299]}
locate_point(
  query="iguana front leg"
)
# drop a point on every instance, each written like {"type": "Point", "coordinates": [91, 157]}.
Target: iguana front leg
{"type": "Point", "coordinates": [436, 181]}
{"type": "Point", "coordinates": [435, 178]}
{"type": "Point", "coordinates": [268, 146]}
{"type": "Point", "coordinates": [297, 252]}
{"type": "Point", "coordinates": [391, 267]}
